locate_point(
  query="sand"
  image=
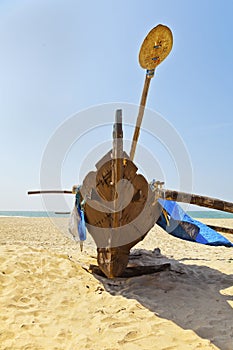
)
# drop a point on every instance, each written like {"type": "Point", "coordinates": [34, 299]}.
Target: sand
{"type": "Point", "coordinates": [49, 301]}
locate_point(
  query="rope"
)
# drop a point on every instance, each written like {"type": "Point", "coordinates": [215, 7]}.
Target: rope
{"type": "Point", "coordinates": [150, 72]}
{"type": "Point", "coordinates": [166, 217]}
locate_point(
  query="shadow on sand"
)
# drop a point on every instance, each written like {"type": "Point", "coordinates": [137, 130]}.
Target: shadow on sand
{"type": "Point", "coordinates": [188, 295]}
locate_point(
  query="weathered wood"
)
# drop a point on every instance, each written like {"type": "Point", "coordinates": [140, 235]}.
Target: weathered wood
{"type": "Point", "coordinates": [221, 229]}
{"type": "Point", "coordinates": [62, 212]}
{"type": "Point", "coordinates": [138, 200]}
{"type": "Point", "coordinates": [154, 49]}
{"type": "Point", "coordinates": [104, 181]}
{"type": "Point", "coordinates": [203, 201]}
{"type": "Point", "coordinates": [117, 165]}
{"type": "Point", "coordinates": [113, 261]}
{"type": "Point", "coordinates": [103, 175]}
{"type": "Point", "coordinates": [49, 192]}
{"type": "Point", "coordinates": [140, 116]}
{"type": "Point", "coordinates": [114, 240]}
{"type": "Point", "coordinates": [135, 270]}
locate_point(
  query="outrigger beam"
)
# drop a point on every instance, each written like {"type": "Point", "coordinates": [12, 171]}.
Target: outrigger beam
{"type": "Point", "coordinates": [202, 201]}
{"type": "Point", "coordinates": [221, 229]}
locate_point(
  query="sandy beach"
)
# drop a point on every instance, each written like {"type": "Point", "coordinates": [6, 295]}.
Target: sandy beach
{"type": "Point", "coordinates": [48, 300]}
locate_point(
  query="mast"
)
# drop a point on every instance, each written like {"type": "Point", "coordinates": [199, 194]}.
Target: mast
{"type": "Point", "coordinates": [117, 160]}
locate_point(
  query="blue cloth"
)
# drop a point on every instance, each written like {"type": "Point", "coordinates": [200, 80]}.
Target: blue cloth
{"type": "Point", "coordinates": [183, 226]}
{"type": "Point", "coordinates": [81, 223]}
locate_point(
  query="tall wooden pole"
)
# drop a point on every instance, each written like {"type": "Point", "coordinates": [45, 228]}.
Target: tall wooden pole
{"type": "Point", "coordinates": [140, 116]}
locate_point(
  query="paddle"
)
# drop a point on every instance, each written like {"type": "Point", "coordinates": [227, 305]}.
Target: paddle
{"type": "Point", "coordinates": [155, 48]}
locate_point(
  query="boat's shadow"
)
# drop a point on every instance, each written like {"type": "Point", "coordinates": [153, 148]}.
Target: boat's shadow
{"type": "Point", "coordinates": [191, 296]}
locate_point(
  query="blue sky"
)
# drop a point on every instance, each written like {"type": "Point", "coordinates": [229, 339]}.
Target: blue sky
{"type": "Point", "coordinates": [61, 57]}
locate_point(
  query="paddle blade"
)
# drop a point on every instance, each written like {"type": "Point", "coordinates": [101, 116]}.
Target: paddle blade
{"type": "Point", "coordinates": [155, 47]}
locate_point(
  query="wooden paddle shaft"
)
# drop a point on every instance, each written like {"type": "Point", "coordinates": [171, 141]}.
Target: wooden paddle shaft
{"type": "Point", "coordinates": [140, 116]}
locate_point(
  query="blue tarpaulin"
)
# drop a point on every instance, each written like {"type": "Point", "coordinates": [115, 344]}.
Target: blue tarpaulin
{"type": "Point", "coordinates": [178, 223]}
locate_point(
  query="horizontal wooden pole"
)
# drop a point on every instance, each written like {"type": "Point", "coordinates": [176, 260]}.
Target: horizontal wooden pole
{"type": "Point", "coordinates": [221, 229]}
{"type": "Point", "coordinates": [202, 201]}
{"type": "Point", "coordinates": [50, 192]}
{"type": "Point", "coordinates": [62, 212]}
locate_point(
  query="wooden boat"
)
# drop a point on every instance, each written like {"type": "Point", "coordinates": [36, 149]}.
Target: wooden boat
{"type": "Point", "coordinates": [119, 205]}
{"type": "Point", "coordinates": [126, 220]}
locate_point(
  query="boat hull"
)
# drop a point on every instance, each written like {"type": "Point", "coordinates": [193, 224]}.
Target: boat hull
{"type": "Point", "coordinates": [117, 225]}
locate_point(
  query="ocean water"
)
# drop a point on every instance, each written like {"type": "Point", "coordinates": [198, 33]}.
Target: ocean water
{"type": "Point", "coordinates": [32, 214]}
{"type": "Point", "coordinates": [43, 214]}
{"type": "Point", "coordinates": [210, 214]}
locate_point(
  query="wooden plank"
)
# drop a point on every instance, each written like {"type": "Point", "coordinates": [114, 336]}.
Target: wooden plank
{"type": "Point", "coordinates": [134, 270]}
{"type": "Point", "coordinates": [104, 180]}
